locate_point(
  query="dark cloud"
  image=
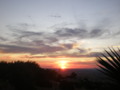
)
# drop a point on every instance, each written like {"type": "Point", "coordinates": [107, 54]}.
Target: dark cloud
{"type": "Point", "coordinates": [14, 49]}
{"type": "Point", "coordinates": [3, 39]}
{"type": "Point", "coordinates": [20, 26]}
{"type": "Point", "coordinates": [91, 54]}
{"type": "Point", "coordinates": [115, 34]}
{"type": "Point", "coordinates": [34, 43]}
{"type": "Point", "coordinates": [38, 42]}
{"type": "Point", "coordinates": [67, 32]}
{"type": "Point", "coordinates": [55, 16]}
{"type": "Point", "coordinates": [28, 34]}
{"type": "Point", "coordinates": [57, 56]}
{"type": "Point", "coordinates": [21, 31]}
{"type": "Point", "coordinates": [80, 33]}
{"type": "Point", "coordinates": [94, 54]}
{"type": "Point", "coordinates": [32, 50]}
{"type": "Point", "coordinates": [51, 39]}
{"type": "Point", "coordinates": [82, 50]}
{"type": "Point", "coordinates": [68, 45]}
{"type": "Point", "coordinates": [73, 55]}
{"type": "Point", "coordinates": [83, 63]}
{"type": "Point", "coordinates": [96, 33]}
{"type": "Point", "coordinates": [42, 42]}
{"type": "Point", "coordinates": [22, 34]}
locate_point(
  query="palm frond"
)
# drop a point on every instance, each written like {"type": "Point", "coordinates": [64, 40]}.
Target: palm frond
{"type": "Point", "coordinates": [109, 64]}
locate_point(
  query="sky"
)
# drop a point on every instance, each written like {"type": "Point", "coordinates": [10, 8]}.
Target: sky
{"type": "Point", "coordinates": [51, 31]}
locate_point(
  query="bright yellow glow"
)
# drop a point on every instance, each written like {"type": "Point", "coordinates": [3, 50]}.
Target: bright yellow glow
{"type": "Point", "coordinates": [116, 46]}
{"type": "Point", "coordinates": [63, 64]}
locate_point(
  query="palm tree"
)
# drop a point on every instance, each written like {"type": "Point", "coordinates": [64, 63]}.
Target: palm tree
{"type": "Point", "coordinates": [109, 64]}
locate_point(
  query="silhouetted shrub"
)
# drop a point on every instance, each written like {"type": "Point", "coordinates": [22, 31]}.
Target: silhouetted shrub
{"type": "Point", "coordinates": [26, 75]}
{"type": "Point", "coordinates": [66, 85]}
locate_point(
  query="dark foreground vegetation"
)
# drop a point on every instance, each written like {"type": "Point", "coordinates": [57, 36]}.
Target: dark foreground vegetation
{"type": "Point", "coordinates": [25, 76]}
{"type": "Point", "coordinates": [109, 63]}
{"type": "Point", "coordinates": [30, 76]}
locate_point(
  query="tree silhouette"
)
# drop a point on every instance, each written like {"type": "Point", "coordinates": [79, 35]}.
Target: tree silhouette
{"type": "Point", "coordinates": [109, 64]}
{"type": "Point", "coordinates": [25, 75]}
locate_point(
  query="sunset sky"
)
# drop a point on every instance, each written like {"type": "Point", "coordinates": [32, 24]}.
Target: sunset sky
{"type": "Point", "coordinates": [54, 31]}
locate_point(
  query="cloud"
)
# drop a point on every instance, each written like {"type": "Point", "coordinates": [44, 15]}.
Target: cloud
{"type": "Point", "coordinates": [94, 54]}
{"type": "Point", "coordinates": [21, 33]}
{"type": "Point", "coordinates": [80, 33]}
{"type": "Point", "coordinates": [68, 45]}
{"type": "Point", "coordinates": [46, 51]}
{"type": "Point", "coordinates": [20, 26]}
{"type": "Point", "coordinates": [116, 33]}
{"type": "Point", "coordinates": [86, 62]}
{"type": "Point", "coordinates": [2, 39]}
{"type": "Point", "coordinates": [96, 33]}
{"type": "Point", "coordinates": [24, 34]}
{"type": "Point", "coordinates": [62, 39]}
{"type": "Point", "coordinates": [67, 32]}
{"type": "Point", "coordinates": [71, 55]}
{"type": "Point", "coordinates": [16, 49]}
{"type": "Point", "coordinates": [55, 16]}
{"type": "Point", "coordinates": [31, 50]}
{"type": "Point", "coordinates": [82, 50]}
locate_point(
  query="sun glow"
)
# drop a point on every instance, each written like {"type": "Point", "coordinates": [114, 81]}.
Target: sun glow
{"type": "Point", "coordinates": [63, 64]}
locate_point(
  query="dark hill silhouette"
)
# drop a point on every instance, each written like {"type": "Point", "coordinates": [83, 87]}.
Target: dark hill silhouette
{"type": "Point", "coordinates": [30, 76]}
{"type": "Point", "coordinates": [25, 76]}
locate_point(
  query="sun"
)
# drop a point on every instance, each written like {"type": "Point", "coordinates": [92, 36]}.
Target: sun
{"type": "Point", "coordinates": [63, 64]}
